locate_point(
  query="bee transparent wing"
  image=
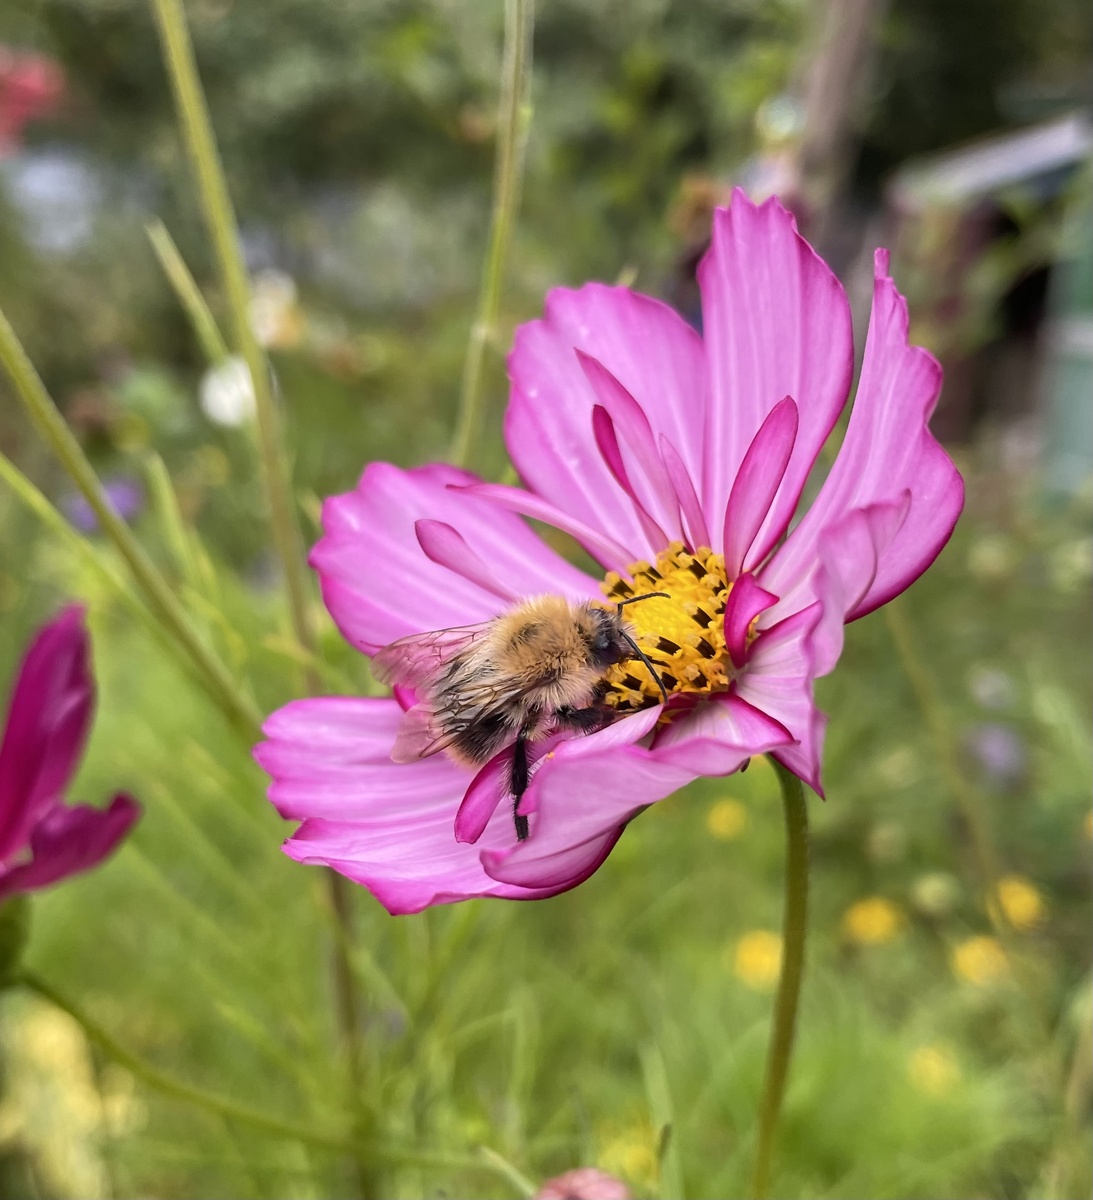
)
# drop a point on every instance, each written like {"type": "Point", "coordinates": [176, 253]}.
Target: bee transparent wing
{"type": "Point", "coordinates": [416, 660]}
{"type": "Point", "coordinates": [423, 732]}
{"type": "Point", "coordinates": [418, 735]}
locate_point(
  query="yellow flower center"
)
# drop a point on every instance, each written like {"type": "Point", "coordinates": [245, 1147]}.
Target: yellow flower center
{"type": "Point", "coordinates": [682, 633]}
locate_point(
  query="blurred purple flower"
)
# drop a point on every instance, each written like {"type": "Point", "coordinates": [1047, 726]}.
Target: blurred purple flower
{"type": "Point", "coordinates": [43, 840]}
{"type": "Point", "coordinates": [1000, 751]}
{"type": "Point", "coordinates": [126, 495]}
{"type": "Point", "coordinates": [583, 1183]}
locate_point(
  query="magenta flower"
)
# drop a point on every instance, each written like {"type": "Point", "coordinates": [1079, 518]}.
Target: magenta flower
{"type": "Point", "coordinates": [583, 1183]}
{"type": "Point", "coordinates": [678, 464]}
{"type": "Point", "coordinates": [43, 840]}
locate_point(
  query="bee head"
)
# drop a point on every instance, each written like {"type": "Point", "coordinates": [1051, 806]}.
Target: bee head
{"type": "Point", "coordinates": [611, 642]}
{"type": "Point", "coordinates": [607, 643]}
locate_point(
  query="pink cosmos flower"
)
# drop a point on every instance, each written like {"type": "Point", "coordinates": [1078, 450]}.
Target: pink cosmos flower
{"type": "Point", "coordinates": [677, 462]}
{"type": "Point", "coordinates": [43, 840]}
{"type": "Point", "coordinates": [30, 86]}
{"type": "Point", "coordinates": [583, 1183]}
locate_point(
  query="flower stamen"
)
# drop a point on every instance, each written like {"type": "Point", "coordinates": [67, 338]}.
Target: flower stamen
{"type": "Point", "coordinates": [682, 634]}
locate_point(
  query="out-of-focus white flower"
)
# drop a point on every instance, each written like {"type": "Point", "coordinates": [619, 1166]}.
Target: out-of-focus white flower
{"type": "Point", "coordinates": [227, 394]}
{"type": "Point", "coordinates": [992, 687]}
{"type": "Point", "coordinates": [274, 315]}
{"type": "Point", "coordinates": [936, 894]}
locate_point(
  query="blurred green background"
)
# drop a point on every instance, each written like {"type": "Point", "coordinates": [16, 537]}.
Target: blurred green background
{"type": "Point", "coordinates": [624, 1024]}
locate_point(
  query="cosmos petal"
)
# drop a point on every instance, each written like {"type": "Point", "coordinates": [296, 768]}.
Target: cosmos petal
{"type": "Point", "coordinates": [683, 485]}
{"type": "Point", "coordinates": [604, 549]}
{"type": "Point", "coordinates": [380, 585]}
{"type": "Point", "coordinates": [778, 682]}
{"type": "Point", "coordinates": [567, 837]}
{"type": "Point", "coordinates": [746, 601]}
{"type": "Point", "coordinates": [629, 420]}
{"type": "Point", "coordinates": [888, 449]}
{"type": "Point", "coordinates": [756, 484]}
{"type": "Point", "coordinates": [777, 323]}
{"type": "Point", "coordinates": [607, 442]}
{"type": "Point", "coordinates": [482, 797]}
{"type": "Point", "coordinates": [850, 555]}
{"type": "Point", "coordinates": [655, 356]}
{"type": "Point", "coordinates": [385, 826]}
{"type": "Point", "coordinates": [447, 547]}
{"type": "Point", "coordinates": [718, 737]}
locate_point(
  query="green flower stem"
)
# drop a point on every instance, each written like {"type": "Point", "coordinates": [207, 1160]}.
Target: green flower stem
{"type": "Point", "coordinates": [347, 1003]}
{"type": "Point", "coordinates": [189, 294]}
{"type": "Point", "coordinates": [485, 1160]}
{"type": "Point", "coordinates": [161, 1082]}
{"type": "Point", "coordinates": [794, 931]}
{"type": "Point", "coordinates": [157, 592]}
{"type": "Point", "coordinates": [193, 116]}
{"type": "Point", "coordinates": [503, 1167]}
{"type": "Point", "coordinates": [513, 119]}
{"type": "Point", "coordinates": [220, 220]}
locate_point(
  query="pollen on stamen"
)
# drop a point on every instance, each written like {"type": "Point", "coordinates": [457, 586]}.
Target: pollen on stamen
{"type": "Point", "coordinates": [682, 634]}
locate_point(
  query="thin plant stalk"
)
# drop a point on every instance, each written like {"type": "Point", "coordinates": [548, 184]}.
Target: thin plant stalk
{"type": "Point", "coordinates": [157, 592]}
{"type": "Point", "coordinates": [220, 220]}
{"type": "Point", "coordinates": [513, 1174]}
{"type": "Point", "coordinates": [794, 932]}
{"type": "Point", "coordinates": [513, 113]}
{"type": "Point", "coordinates": [161, 1082]}
{"type": "Point", "coordinates": [485, 1160]}
{"type": "Point", "coordinates": [966, 793]}
{"type": "Point", "coordinates": [216, 205]}
{"type": "Point", "coordinates": [976, 813]}
{"type": "Point", "coordinates": [189, 294]}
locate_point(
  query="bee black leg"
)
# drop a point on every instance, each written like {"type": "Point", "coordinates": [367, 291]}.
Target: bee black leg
{"type": "Point", "coordinates": [519, 783]}
{"type": "Point", "coordinates": [583, 720]}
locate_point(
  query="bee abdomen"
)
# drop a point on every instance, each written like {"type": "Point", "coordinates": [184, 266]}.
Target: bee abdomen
{"type": "Point", "coordinates": [479, 738]}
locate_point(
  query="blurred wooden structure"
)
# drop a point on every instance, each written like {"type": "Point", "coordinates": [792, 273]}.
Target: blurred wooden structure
{"type": "Point", "coordinates": [991, 241]}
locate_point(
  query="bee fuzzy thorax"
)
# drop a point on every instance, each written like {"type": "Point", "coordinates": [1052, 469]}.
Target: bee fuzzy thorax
{"type": "Point", "coordinates": [544, 644]}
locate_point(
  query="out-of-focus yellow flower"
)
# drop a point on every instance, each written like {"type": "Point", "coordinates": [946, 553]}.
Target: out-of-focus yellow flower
{"type": "Point", "coordinates": [52, 1106]}
{"type": "Point", "coordinates": [631, 1153]}
{"type": "Point", "coordinates": [756, 959]}
{"type": "Point", "coordinates": [872, 921]}
{"type": "Point", "coordinates": [727, 819]}
{"type": "Point", "coordinates": [1021, 901]}
{"type": "Point", "coordinates": [980, 960]}
{"type": "Point", "coordinates": [933, 1070]}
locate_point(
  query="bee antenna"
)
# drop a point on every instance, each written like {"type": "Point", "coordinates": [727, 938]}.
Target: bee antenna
{"type": "Point", "coordinates": [635, 647]}
{"type": "Point", "coordinates": [641, 654]}
{"type": "Point", "coordinates": [645, 596]}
